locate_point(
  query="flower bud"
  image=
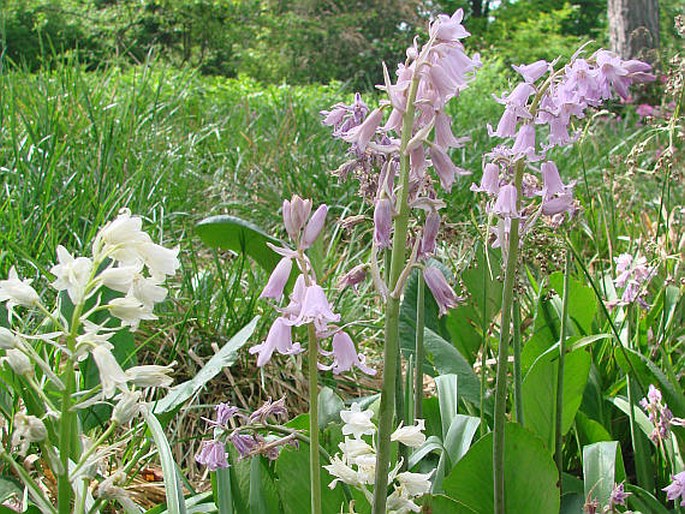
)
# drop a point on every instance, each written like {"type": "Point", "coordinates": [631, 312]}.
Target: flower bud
{"type": "Point", "coordinates": [314, 227]}
{"type": "Point", "coordinates": [353, 278]}
{"type": "Point", "coordinates": [150, 375]}
{"type": "Point", "coordinates": [444, 295]}
{"type": "Point", "coordinates": [7, 339]}
{"type": "Point", "coordinates": [28, 428]}
{"type": "Point", "coordinates": [127, 408]}
{"type": "Point", "coordinates": [430, 233]}
{"type": "Point", "coordinates": [382, 219]}
{"type": "Point", "coordinates": [299, 213]}
{"type": "Point", "coordinates": [19, 362]}
{"type": "Point", "coordinates": [278, 279]}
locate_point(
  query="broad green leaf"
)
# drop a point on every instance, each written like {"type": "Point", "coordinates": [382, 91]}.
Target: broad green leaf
{"type": "Point", "coordinates": [643, 501]}
{"type": "Point", "coordinates": [641, 418]}
{"type": "Point", "coordinates": [293, 483]}
{"type": "Point", "coordinates": [177, 395]}
{"type": "Point", "coordinates": [441, 504]}
{"type": "Point", "coordinates": [172, 483]}
{"type": "Point", "coordinates": [572, 503]}
{"type": "Point", "coordinates": [447, 360]}
{"type": "Point", "coordinates": [649, 373]}
{"type": "Point", "coordinates": [263, 498]}
{"type": "Point", "coordinates": [330, 405]}
{"type": "Point", "coordinates": [599, 470]}
{"type": "Point", "coordinates": [231, 233]}
{"type": "Point", "coordinates": [221, 486]}
{"type": "Point", "coordinates": [540, 390]}
{"type": "Point", "coordinates": [448, 400]}
{"type": "Point", "coordinates": [530, 475]}
{"type": "Point", "coordinates": [582, 303]}
{"type": "Point", "coordinates": [590, 431]}
{"type": "Point", "coordinates": [455, 445]}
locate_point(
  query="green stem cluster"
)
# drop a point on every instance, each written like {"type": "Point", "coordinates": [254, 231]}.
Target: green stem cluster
{"type": "Point", "coordinates": [503, 354]}
{"type": "Point", "coordinates": [391, 352]}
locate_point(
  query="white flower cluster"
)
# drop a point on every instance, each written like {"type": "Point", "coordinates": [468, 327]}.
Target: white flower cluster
{"type": "Point", "coordinates": [128, 263]}
{"type": "Point", "coordinates": [355, 465]}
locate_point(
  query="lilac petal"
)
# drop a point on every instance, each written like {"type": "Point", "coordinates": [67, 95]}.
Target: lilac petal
{"type": "Point", "coordinates": [551, 180]}
{"type": "Point", "coordinates": [278, 279]}
{"type": "Point", "coordinates": [430, 234]}
{"type": "Point", "coordinates": [382, 220]}
{"type": "Point", "coordinates": [505, 205]}
{"type": "Point", "coordinates": [532, 72]}
{"type": "Point", "coordinates": [444, 295]}
{"type": "Point", "coordinates": [314, 226]}
{"type": "Point", "coordinates": [444, 167]}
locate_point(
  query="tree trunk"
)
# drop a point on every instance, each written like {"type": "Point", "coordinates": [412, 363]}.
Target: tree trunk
{"type": "Point", "coordinates": [634, 28]}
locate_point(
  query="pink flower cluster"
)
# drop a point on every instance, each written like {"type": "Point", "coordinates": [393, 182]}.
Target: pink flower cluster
{"type": "Point", "coordinates": [429, 78]}
{"type": "Point", "coordinates": [659, 415]}
{"type": "Point", "coordinates": [308, 302]}
{"type": "Point", "coordinates": [633, 275]}
{"type": "Point", "coordinates": [229, 424]}
{"type": "Point", "coordinates": [548, 99]}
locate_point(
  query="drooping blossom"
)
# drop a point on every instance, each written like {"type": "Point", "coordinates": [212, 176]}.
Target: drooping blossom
{"type": "Point", "coordinates": [16, 291]}
{"type": "Point", "coordinates": [676, 489]}
{"type": "Point", "coordinates": [618, 495]}
{"type": "Point", "coordinates": [553, 99]}
{"type": "Point", "coordinates": [443, 293]}
{"type": "Point", "coordinates": [213, 455]}
{"type": "Point", "coordinates": [411, 436]}
{"type": "Point", "coordinates": [71, 274]}
{"type": "Point", "coordinates": [357, 422]}
{"type": "Point", "coordinates": [345, 356]}
{"type": "Point", "coordinates": [633, 274]}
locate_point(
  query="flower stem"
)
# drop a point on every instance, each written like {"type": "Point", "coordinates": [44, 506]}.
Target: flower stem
{"type": "Point", "coordinates": [518, 375]}
{"type": "Point", "coordinates": [560, 374]}
{"type": "Point", "coordinates": [418, 365]}
{"type": "Point", "coordinates": [392, 313]}
{"type": "Point", "coordinates": [314, 462]}
{"type": "Point", "coordinates": [503, 355]}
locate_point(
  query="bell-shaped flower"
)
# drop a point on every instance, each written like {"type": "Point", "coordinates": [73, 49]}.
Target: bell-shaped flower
{"type": "Point", "coordinates": [429, 235]}
{"type": "Point", "coordinates": [444, 167]}
{"type": "Point", "coordinates": [244, 444]}
{"type": "Point", "coordinates": [382, 222]}
{"type": "Point", "coordinates": [130, 310]}
{"type": "Point", "coordinates": [411, 436]}
{"type": "Point", "coordinates": [551, 180]}
{"type": "Point", "coordinates": [342, 473]}
{"type": "Point", "coordinates": [151, 375]}
{"type": "Point", "coordinates": [345, 356]}
{"type": "Point", "coordinates": [357, 422]}
{"type": "Point", "coordinates": [278, 279]}
{"type": "Point", "coordinates": [119, 278]}
{"type": "Point", "coordinates": [444, 295]}
{"type": "Point", "coordinates": [278, 339]}
{"type": "Point", "coordinates": [15, 291]}
{"type": "Point", "coordinates": [71, 274]}
{"type": "Point", "coordinates": [121, 239]}
{"type": "Point", "coordinates": [315, 309]}
{"type": "Point", "coordinates": [160, 261]}
{"type": "Point", "coordinates": [19, 362]}
{"type": "Point", "coordinates": [524, 144]}
{"type": "Point", "coordinates": [415, 484]}
{"type": "Point", "coordinates": [558, 204]}
{"type": "Point", "coordinates": [448, 28]}
{"type": "Point", "coordinates": [112, 377]}
{"type": "Point", "coordinates": [127, 407]}
{"type": "Point", "coordinates": [147, 290]}
{"type": "Point", "coordinates": [314, 227]}
{"type": "Point", "coordinates": [489, 183]}
{"type": "Point", "coordinates": [505, 205]}
{"type": "Point", "coordinates": [532, 72]}
{"type": "Point", "coordinates": [8, 340]}
{"type": "Point", "coordinates": [212, 454]}
{"type": "Point", "coordinates": [362, 134]}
